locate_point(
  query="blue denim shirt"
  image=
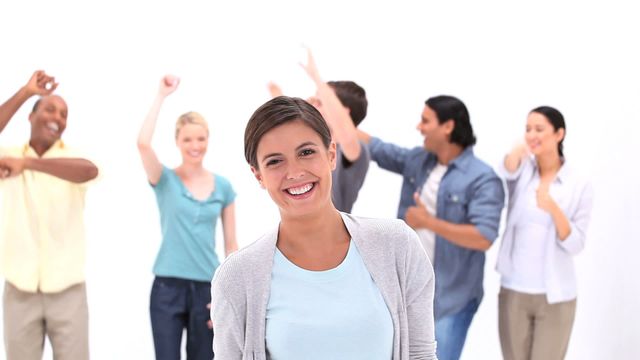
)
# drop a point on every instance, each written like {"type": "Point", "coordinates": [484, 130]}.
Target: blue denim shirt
{"type": "Point", "coordinates": [470, 193]}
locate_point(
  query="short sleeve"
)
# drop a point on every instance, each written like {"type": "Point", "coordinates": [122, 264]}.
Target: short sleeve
{"type": "Point", "coordinates": [161, 185]}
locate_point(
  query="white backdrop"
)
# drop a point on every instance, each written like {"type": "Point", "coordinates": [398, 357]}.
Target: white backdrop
{"type": "Point", "coordinates": [500, 58]}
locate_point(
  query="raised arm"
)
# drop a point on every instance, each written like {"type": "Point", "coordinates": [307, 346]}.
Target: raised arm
{"type": "Point", "coordinates": [513, 160]}
{"type": "Point", "coordinates": [152, 165]}
{"type": "Point", "coordinates": [336, 114]}
{"type": "Point", "coordinates": [39, 84]}
{"type": "Point", "coordinates": [274, 89]}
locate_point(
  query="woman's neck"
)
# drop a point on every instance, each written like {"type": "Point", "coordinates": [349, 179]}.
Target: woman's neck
{"type": "Point", "coordinates": [549, 164]}
{"type": "Point", "coordinates": [191, 169]}
{"type": "Point", "coordinates": [318, 230]}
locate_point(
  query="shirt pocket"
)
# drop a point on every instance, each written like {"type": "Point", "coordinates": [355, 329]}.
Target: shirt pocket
{"type": "Point", "coordinates": [456, 206]}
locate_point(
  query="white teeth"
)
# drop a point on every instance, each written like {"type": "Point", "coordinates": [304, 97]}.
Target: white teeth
{"type": "Point", "coordinates": [300, 190]}
{"type": "Point", "coordinates": [53, 126]}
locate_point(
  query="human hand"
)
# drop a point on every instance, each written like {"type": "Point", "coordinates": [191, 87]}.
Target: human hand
{"type": "Point", "coordinates": [417, 216]}
{"type": "Point", "coordinates": [10, 167]}
{"type": "Point", "coordinates": [40, 84]}
{"type": "Point", "coordinates": [168, 85]}
{"type": "Point", "coordinates": [543, 198]}
{"type": "Point", "coordinates": [209, 322]}
{"type": "Point", "coordinates": [274, 89]}
{"type": "Point", "coordinates": [311, 68]}
{"type": "Point", "coordinates": [520, 150]}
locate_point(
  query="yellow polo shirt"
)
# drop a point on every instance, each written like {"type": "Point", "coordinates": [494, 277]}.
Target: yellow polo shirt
{"type": "Point", "coordinates": [42, 240]}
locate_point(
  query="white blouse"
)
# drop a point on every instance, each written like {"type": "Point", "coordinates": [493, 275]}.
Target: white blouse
{"type": "Point", "coordinates": [574, 195]}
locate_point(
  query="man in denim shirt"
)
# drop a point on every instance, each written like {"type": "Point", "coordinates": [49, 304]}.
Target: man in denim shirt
{"type": "Point", "coordinates": [454, 201]}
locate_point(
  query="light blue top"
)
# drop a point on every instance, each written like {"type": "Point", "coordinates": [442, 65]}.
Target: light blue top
{"type": "Point", "coordinates": [188, 227]}
{"type": "Point", "coordinates": [332, 314]}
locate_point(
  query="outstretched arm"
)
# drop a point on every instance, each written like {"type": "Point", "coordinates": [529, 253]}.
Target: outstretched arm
{"type": "Point", "coordinates": [39, 84]}
{"type": "Point", "coordinates": [152, 165]}
{"type": "Point", "coordinates": [336, 114]}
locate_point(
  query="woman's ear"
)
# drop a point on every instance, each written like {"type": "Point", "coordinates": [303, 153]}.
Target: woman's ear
{"type": "Point", "coordinates": [258, 176]}
{"type": "Point", "coordinates": [560, 134]}
{"type": "Point", "coordinates": [332, 155]}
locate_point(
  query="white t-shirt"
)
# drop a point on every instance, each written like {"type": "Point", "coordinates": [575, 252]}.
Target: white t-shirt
{"type": "Point", "coordinates": [429, 196]}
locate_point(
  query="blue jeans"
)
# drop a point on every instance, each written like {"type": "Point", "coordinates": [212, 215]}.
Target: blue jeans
{"type": "Point", "coordinates": [451, 331]}
{"type": "Point", "coordinates": [177, 304]}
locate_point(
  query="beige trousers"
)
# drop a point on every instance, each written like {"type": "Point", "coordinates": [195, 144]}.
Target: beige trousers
{"type": "Point", "coordinates": [531, 328]}
{"type": "Point", "coordinates": [62, 316]}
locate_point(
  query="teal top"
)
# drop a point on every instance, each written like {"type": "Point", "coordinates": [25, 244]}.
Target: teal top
{"type": "Point", "coordinates": [333, 314]}
{"type": "Point", "coordinates": [188, 227]}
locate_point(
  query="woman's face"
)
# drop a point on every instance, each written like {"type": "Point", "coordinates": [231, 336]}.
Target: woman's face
{"type": "Point", "coordinates": [541, 137]}
{"type": "Point", "coordinates": [295, 168]}
{"type": "Point", "coordinates": [192, 141]}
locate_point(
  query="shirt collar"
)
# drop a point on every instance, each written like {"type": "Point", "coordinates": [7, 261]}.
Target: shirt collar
{"type": "Point", "coordinates": [462, 161]}
{"type": "Point", "coordinates": [28, 150]}
{"type": "Point", "coordinates": [563, 174]}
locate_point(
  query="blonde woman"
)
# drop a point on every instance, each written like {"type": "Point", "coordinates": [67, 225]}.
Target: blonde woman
{"type": "Point", "coordinates": [190, 200]}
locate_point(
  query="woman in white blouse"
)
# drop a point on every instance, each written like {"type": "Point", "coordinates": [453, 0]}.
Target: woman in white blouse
{"type": "Point", "coordinates": [548, 214]}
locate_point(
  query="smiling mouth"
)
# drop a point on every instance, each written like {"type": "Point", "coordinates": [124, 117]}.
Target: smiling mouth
{"type": "Point", "coordinates": [53, 127]}
{"type": "Point", "coordinates": [300, 190]}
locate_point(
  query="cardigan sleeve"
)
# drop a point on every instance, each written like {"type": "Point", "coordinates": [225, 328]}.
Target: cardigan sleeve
{"type": "Point", "coordinates": [419, 300]}
{"type": "Point", "coordinates": [228, 327]}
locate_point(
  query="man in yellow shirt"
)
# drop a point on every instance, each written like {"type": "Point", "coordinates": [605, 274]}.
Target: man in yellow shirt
{"type": "Point", "coordinates": [42, 244]}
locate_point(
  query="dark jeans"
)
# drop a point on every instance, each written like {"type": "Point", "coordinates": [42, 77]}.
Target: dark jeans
{"type": "Point", "coordinates": [177, 304]}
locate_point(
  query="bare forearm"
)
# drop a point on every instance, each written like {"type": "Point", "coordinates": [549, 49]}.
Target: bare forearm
{"type": "Point", "coordinates": [338, 118]}
{"type": "Point", "coordinates": [229, 229]}
{"type": "Point", "coordinates": [513, 160]}
{"type": "Point", "coordinates": [363, 136]}
{"type": "Point", "coordinates": [465, 235]}
{"type": "Point", "coordinates": [11, 106]}
{"type": "Point", "coordinates": [70, 169]}
{"type": "Point", "coordinates": [149, 126]}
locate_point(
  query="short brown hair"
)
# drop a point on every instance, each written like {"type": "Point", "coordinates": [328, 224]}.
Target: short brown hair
{"type": "Point", "coordinates": [278, 111]}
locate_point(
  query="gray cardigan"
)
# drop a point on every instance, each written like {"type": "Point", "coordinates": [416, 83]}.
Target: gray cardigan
{"type": "Point", "coordinates": [392, 253]}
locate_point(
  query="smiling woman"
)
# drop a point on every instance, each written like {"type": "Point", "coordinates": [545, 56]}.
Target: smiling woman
{"type": "Point", "coordinates": [340, 286]}
{"type": "Point", "coordinates": [190, 200]}
{"type": "Point", "coordinates": [549, 212]}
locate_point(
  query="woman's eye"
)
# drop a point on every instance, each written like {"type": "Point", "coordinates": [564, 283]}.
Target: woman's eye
{"type": "Point", "coordinates": [307, 152]}
{"type": "Point", "coordinates": [273, 162]}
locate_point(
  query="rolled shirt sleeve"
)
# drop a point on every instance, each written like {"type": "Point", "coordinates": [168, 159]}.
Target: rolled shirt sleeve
{"type": "Point", "coordinates": [485, 206]}
{"type": "Point", "coordinates": [579, 222]}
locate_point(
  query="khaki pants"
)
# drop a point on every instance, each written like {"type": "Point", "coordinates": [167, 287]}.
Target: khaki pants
{"type": "Point", "coordinates": [531, 328]}
{"type": "Point", "coordinates": [62, 316]}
